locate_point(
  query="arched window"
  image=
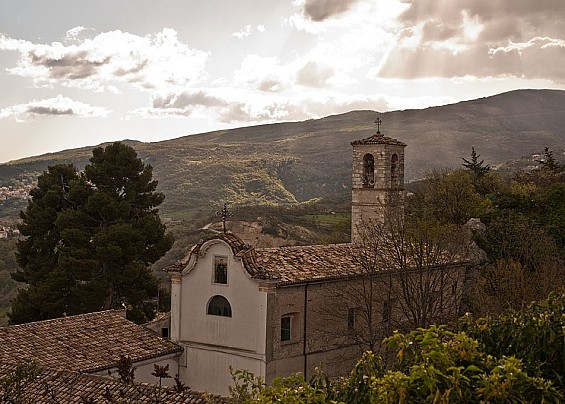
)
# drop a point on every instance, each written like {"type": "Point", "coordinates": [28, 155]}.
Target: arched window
{"type": "Point", "coordinates": [219, 306]}
{"type": "Point", "coordinates": [368, 170]}
{"type": "Point", "coordinates": [394, 169]}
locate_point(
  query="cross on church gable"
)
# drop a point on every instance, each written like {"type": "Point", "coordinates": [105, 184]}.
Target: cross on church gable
{"type": "Point", "coordinates": [224, 213]}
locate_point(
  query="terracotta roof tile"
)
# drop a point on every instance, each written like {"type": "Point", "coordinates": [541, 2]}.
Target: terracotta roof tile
{"type": "Point", "coordinates": [74, 387]}
{"type": "Point", "coordinates": [295, 264]}
{"type": "Point", "coordinates": [85, 342]}
{"type": "Point", "coordinates": [298, 264]}
{"type": "Point", "coordinates": [378, 138]}
{"type": "Point", "coordinates": [286, 265]}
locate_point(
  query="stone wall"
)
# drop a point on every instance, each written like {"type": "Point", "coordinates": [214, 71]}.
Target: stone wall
{"type": "Point", "coordinates": [329, 341]}
{"type": "Point", "coordinates": [383, 198]}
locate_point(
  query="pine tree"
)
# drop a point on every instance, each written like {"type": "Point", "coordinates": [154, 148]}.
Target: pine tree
{"type": "Point", "coordinates": [478, 168]}
{"type": "Point", "coordinates": [548, 162]}
{"type": "Point", "coordinates": [91, 238]}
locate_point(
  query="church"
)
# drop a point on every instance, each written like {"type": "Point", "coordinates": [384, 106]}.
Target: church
{"type": "Point", "coordinates": [266, 309]}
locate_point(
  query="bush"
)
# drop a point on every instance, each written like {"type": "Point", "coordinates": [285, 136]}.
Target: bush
{"type": "Point", "coordinates": [431, 365]}
{"type": "Point", "coordinates": [535, 335]}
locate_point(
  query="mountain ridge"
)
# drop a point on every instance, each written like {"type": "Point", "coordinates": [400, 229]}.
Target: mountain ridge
{"type": "Point", "coordinates": [289, 162]}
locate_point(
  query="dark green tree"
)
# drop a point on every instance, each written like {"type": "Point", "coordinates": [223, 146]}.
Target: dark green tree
{"type": "Point", "coordinates": [548, 162]}
{"type": "Point", "coordinates": [478, 168]}
{"type": "Point", "coordinates": [91, 238]}
{"type": "Point", "coordinates": [524, 240]}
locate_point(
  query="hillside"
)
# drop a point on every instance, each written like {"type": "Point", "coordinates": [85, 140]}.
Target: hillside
{"type": "Point", "coordinates": [287, 163]}
{"type": "Point", "coordinates": [298, 161]}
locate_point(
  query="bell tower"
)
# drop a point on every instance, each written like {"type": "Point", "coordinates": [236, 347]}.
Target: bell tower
{"type": "Point", "coordinates": [378, 181]}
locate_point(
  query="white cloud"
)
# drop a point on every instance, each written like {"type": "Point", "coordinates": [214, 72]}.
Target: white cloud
{"type": "Point", "coordinates": [313, 75]}
{"type": "Point", "coordinates": [73, 33]}
{"type": "Point", "coordinates": [146, 62]}
{"type": "Point", "coordinates": [267, 74]}
{"type": "Point", "coordinates": [327, 16]}
{"type": "Point", "coordinates": [233, 104]}
{"type": "Point", "coordinates": [296, 107]}
{"type": "Point", "coordinates": [248, 30]}
{"type": "Point", "coordinates": [350, 42]}
{"type": "Point", "coordinates": [182, 104]}
{"type": "Point", "coordinates": [479, 38]}
{"type": "Point", "coordinates": [53, 107]}
{"type": "Point", "coordinates": [541, 43]}
{"type": "Point", "coordinates": [243, 33]}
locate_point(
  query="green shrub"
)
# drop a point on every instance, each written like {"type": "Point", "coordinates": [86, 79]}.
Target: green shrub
{"type": "Point", "coordinates": [535, 335]}
{"type": "Point", "coordinates": [432, 365]}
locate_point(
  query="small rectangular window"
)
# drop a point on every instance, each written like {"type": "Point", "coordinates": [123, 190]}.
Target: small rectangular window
{"type": "Point", "coordinates": [221, 270]}
{"type": "Point", "coordinates": [285, 328]}
{"type": "Point", "coordinates": [165, 332]}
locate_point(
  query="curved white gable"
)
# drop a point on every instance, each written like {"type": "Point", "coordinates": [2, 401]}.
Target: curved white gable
{"type": "Point", "coordinates": [237, 341]}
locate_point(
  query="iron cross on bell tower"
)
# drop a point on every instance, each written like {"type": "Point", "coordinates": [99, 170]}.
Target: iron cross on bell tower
{"type": "Point", "coordinates": [378, 122]}
{"type": "Point", "coordinates": [224, 213]}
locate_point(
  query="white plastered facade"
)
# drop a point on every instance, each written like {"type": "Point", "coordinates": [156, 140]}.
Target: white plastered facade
{"type": "Point", "coordinates": [214, 343]}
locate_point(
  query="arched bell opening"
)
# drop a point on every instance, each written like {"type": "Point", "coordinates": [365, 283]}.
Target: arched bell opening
{"type": "Point", "coordinates": [368, 171]}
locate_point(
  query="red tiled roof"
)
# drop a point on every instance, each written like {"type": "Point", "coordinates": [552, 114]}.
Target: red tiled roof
{"type": "Point", "coordinates": [312, 263]}
{"type": "Point", "coordinates": [85, 342]}
{"type": "Point", "coordinates": [379, 138]}
{"type": "Point", "coordinates": [60, 386]}
{"type": "Point", "coordinates": [298, 264]}
{"type": "Point", "coordinates": [285, 265]}
{"type": "Point", "coordinates": [295, 264]}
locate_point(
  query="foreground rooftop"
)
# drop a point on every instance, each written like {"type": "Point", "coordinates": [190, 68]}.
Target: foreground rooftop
{"type": "Point", "coordinates": [85, 342]}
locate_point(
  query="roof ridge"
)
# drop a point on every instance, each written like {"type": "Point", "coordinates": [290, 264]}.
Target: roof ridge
{"type": "Point", "coordinates": [296, 247]}
{"type": "Point", "coordinates": [63, 318]}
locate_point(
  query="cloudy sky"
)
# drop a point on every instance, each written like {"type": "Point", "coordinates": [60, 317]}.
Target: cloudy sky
{"type": "Point", "coordinates": [76, 73]}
